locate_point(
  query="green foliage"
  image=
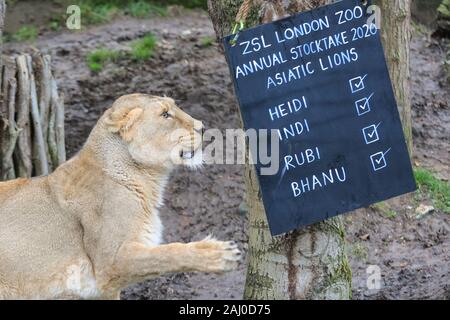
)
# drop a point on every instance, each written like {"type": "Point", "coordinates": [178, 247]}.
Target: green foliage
{"type": "Point", "coordinates": [207, 41]}
{"type": "Point", "coordinates": [10, 2]}
{"type": "Point", "coordinates": [143, 9]}
{"type": "Point", "coordinates": [54, 25]}
{"type": "Point", "coordinates": [419, 28]}
{"type": "Point", "coordinates": [141, 49]}
{"type": "Point", "coordinates": [25, 33]}
{"type": "Point", "coordinates": [444, 8]}
{"type": "Point", "coordinates": [437, 190]}
{"type": "Point", "coordinates": [380, 206]}
{"type": "Point", "coordinates": [125, 3]}
{"type": "Point", "coordinates": [57, 23]}
{"type": "Point", "coordinates": [98, 58]}
{"type": "Point", "coordinates": [189, 3]}
{"type": "Point", "coordinates": [359, 250]}
{"type": "Point", "coordinates": [144, 48]}
{"type": "Point", "coordinates": [443, 20]}
{"type": "Point", "coordinates": [96, 13]}
{"type": "Point", "coordinates": [390, 213]}
{"type": "Point", "coordinates": [101, 11]}
{"type": "Point", "coordinates": [385, 209]}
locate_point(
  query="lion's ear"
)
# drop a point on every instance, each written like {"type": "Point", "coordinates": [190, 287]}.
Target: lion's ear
{"type": "Point", "coordinates": [122, 121]}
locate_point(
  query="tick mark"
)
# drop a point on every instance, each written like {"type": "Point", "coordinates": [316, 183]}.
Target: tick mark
{"type": "Point", "coordinates": [357, 83]}
{"type": "Point", "coordinates": [379, 160]}
{"type": "Point", "coordinates": [370, 133]}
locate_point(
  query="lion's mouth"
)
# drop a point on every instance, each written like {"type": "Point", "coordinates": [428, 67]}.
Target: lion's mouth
{"type": "Point", "coordinates": [187, 154]}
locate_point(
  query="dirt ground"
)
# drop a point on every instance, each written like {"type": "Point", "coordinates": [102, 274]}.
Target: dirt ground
{"type": "Point", "coordinates": [413, 254]}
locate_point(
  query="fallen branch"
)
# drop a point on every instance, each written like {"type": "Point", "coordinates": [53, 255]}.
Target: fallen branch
{"type": "Point", "coordinates": [58, 101]}
{"type": "Point", "coordinates": [44, 79]}
{"type": "Point", "coordinates": [39, 149]}
{"type": "Point", "coordinates": [51, 140]}
{"type": "Point", "coordinates": [23, 150]}
{"type": "Point", "coordinates": [11, 139]}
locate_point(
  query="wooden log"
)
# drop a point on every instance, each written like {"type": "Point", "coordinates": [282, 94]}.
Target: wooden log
{"type": "Point", "coordinates": [7, 169]}
{"type": "Point", "coordinates": [23, 150]}
{"type": "Point", "coordinates": [2, 96]}
{"type": "Point", "coordinates": [2, 20]}
{"type": "Point", "coordinates": [2, 110]}
{"type": "Point", "coordinates": [42, 66]}
{"type": "Point", "coordinates": [51, 138]}
{"type": "Point", "coordinates": [59, 123]}
{"type": "Point", "coordinates": [31, 118]}
{"type": "Point", "coordinates": [8, 72]}
{"type": "Point", "coordinates": [39, 146]}
{"type": "Point", "coordinates": [2, 70]}
{"type": "Point", "coordinates": [58, 104]}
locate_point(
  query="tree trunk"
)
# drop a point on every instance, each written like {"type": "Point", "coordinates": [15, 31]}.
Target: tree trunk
{"type": "Point", "coordinates": [396, 35]}
{"type": "Point", "coordinates": [305, 264]}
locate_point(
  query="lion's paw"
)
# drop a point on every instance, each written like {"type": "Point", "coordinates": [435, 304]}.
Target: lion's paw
{"type": "Point", "coordinates": [218, 256]}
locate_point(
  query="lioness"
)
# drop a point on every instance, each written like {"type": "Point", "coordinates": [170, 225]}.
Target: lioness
{"type": "Point", "coordinates": [91, 228]}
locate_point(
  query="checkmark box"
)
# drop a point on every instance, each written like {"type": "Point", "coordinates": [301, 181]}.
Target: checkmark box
{"type": "Point", "coordinates": [370, 133]}
{"type": "Point", "coordinates": [379, 160]}
{"type": "Point", "coordinates": [357, 83]}
{"type": "Point", "coordinates": [363, 105]}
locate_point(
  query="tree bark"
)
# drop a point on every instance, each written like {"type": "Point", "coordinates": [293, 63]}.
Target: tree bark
{"type": "Point", "coordinates": [44, 77]}
{"type": "Point", "coordinates": [304, 264]}
{"type": "Point", "coordinates": [396, 35]}
{"type": "Point", "coordinates": [2, 111]}
{"type": "Point", "coordinates": [24, 145]}
{"type": "Point", "coordinates": [58, 105]}
{"type": "Point", "coordinates": [39, 151]}
{"type": "Point", "coordinates": [2, 21]}
{"type": "Point", "coordinates": [309, 263]}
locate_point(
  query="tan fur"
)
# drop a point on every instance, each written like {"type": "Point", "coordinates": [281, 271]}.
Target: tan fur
{"type": "Point", "coordinates": [92, 228]}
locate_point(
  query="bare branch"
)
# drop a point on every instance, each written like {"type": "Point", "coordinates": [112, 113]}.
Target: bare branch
{"type": "Point", "coordinates": [23, 150]}
{"type": "Point", "coordinates": [39, 149]}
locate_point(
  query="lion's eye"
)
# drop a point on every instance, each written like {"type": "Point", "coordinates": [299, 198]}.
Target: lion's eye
{"type": "Point", "coordinates": [165, 114]}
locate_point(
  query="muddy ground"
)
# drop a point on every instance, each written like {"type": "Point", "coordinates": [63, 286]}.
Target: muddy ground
{"type": "Point", "coordinates": [413, 254]}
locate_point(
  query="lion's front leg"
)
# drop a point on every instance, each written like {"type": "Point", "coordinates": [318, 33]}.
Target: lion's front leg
{"type": "Point", "coordinates": [135, 262]}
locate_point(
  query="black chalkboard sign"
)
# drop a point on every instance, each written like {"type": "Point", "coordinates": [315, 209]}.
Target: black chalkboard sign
{"type": "Point", "coordinates": [320, 79]}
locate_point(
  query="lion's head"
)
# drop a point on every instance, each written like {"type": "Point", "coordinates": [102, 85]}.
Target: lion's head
{"type": "Point", "coordinates": [156, 131]}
